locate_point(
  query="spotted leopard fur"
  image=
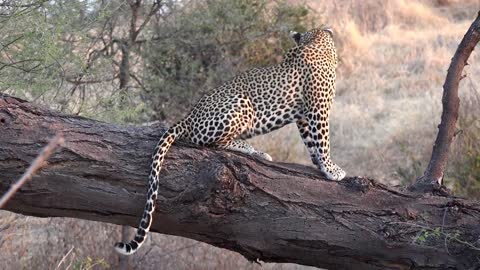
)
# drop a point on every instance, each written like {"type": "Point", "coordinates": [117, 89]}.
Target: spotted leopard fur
{"type": "Point", "coordinates": [300, 90]}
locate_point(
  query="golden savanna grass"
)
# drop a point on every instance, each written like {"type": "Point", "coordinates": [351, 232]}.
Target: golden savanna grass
{"type": "Point", "coordinates": [393, 61]}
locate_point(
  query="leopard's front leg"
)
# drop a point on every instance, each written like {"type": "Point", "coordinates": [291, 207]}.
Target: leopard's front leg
{"type": "Point", "coordinates": [304, 130]}
{"type": "Point", "coordinates": [315, 135]}
{"type": "Point", "coordinates": [314, 129]}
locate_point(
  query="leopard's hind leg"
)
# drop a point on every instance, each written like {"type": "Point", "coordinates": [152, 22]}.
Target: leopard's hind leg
{"type": "Point", "coordinates": [243, 147]}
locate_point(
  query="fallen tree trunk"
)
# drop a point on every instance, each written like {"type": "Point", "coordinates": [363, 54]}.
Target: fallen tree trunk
{"type": "Point", "coordinates": [267, 211]}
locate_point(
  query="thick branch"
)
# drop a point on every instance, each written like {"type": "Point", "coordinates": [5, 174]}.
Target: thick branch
{"type": "Point", "coordinates": [268, 211]}
{"type": "Point", "coordinates": [433, 175]}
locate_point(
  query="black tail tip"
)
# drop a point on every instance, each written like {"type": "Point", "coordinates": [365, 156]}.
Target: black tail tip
{"type": "Point", "coordinates": [123, 248]}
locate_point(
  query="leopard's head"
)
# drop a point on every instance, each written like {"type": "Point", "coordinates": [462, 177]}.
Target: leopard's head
{"type": "Point", "coordinates": [316, 35]}
{"type": "Point", "coordinates": [318, 42]}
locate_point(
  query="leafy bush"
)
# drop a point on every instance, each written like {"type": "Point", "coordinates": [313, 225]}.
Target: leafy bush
{"type": "Point", "coordinates": [211, 41]}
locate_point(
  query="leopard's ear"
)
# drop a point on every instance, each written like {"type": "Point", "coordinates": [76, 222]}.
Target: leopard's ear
{"type": "Point", "coordinates": [295, 36]}
{"type": "Point", "coordinates": [329, 30]}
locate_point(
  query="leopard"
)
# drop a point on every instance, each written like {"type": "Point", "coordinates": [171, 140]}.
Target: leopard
{"type": "Point", "coordinates": [298, 90]}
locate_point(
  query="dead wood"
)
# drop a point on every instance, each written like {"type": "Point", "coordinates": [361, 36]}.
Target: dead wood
{"type": "Point", "coordinates": [432, 179]}
{"type": "Point", "coordinates": [268, 211]}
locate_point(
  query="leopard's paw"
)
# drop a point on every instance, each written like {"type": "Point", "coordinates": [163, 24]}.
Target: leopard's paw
{"type": "Point", "coordinates": [332, 171]}
{"type": "Point", "coordinates": [263, 155]}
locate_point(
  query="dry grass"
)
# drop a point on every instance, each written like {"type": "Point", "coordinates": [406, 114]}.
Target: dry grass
{"type": "Point", "coordinates": [464, 173]}
{"type": "Point", "coordinates": [394, 56]}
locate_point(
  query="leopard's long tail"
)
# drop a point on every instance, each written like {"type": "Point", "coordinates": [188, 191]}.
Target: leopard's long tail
{"type": "Point", "coordinates": [163, 145]}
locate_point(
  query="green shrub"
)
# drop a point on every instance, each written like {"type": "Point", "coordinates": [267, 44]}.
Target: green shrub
{"type": "Point", "coordinates": [211, 41]}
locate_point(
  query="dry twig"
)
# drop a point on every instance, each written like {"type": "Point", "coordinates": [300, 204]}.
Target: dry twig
{"type": "Point", "coordinates": [64, 258]}
{"type": "Point", "coordinates": [36, 164]}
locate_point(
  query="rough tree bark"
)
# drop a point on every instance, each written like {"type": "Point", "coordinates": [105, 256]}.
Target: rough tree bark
{"type": "Point", "coordinates": [433, 176]}
{"type": "Point", "coordinates": [268, 211]}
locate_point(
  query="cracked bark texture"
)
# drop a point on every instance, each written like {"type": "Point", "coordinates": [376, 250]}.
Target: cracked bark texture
{"type": "Point", "coordinates": [266, 211]}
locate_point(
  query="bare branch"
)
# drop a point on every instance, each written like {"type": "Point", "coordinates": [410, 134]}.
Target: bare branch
{"type": "Point", "coordinates": [6, 45]}
{"type": "Point", "coordinates": [64, 258]}
{"type": "Point", "coordinates": [36, 165]}
{"type": "Point", "coordinates": [154, 9]}
{"type": "Point", "coordinates": [433, 176]}
{"type": "Point", "coordinates": [16, 65]}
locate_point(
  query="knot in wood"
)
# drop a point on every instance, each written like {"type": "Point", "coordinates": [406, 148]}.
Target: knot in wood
{"type": "Point", "coordinates": [358, 184]}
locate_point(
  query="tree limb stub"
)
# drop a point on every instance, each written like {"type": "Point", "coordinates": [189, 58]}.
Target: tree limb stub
{"type": "Point", "coordinates": [433, 176]}
{"type": "Point", "coordinates": [268, 211]}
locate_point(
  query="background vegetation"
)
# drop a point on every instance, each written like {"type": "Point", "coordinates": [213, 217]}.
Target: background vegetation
{"type": "Point", "coordinates": [136, 61]}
